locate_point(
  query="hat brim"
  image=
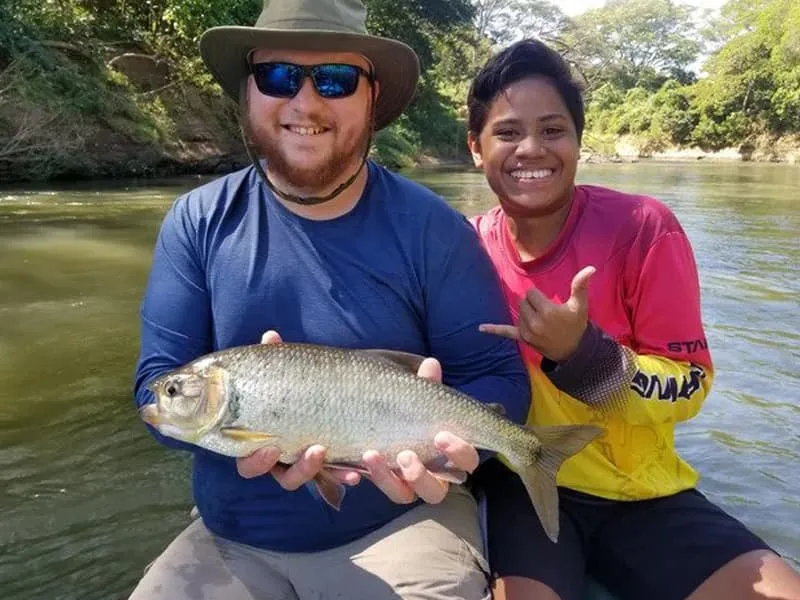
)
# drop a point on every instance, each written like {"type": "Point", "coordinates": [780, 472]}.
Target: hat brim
{"type": "Point", "coordinates": [225, 50]}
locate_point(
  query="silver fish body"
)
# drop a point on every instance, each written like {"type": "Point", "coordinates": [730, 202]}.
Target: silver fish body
{"type": "Point", "coordinates": [291, 396]}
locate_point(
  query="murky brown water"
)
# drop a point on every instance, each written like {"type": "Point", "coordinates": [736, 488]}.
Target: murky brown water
{"type": "Point", "coordinates": [88, 499]}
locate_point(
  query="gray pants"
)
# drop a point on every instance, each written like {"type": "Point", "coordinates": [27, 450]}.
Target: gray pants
{"type": "Point", "coordinates": [433, 552]}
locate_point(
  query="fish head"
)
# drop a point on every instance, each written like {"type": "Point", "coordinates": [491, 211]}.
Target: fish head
{"type": "Point", "coordinates": [188, 402]}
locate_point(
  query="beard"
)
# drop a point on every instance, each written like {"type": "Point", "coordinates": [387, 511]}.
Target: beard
{"type": "Point", "coordinates": [320, 174]}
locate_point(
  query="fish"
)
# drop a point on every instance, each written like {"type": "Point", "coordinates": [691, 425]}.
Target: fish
{"type": "Point", "coordinates": [293, 395]}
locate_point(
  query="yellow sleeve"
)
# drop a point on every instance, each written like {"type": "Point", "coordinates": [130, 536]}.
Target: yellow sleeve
{"type": "Point", "coordinates": [644, 389]}
{"type": "Point", "coordinates": [663, 390]}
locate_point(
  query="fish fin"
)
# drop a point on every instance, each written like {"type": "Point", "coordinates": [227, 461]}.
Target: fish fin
{"type": "Point", "coordinates": [245, 435]}
{"type": "Point", "coordinates": [457, 476]}
{"type": "Point", "coordinates": [405, 360]}
{"type": "Point", "coordinates": [329, 489]}
{"type": "Point", "coordinates": [346, 466]}
{"type": "Point", "coordinates": [538, 470]}
{"type": "Point", "coordinates": [442, 468]}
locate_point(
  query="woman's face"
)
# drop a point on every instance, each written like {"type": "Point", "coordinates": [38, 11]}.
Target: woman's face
{"type": "Point", "coordinates": [528, 149]}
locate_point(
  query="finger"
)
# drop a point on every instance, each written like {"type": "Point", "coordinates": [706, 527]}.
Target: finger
{"type": "Point", "coordinates": [426, 486]}
{"type": "Point", "coordinates": [430, 369]}
{"type": "Point", "coordinates": [342, 476]}
{"type": "Point", "coordinates": [507, 331]}
{"type": "Point", "coordinates": [258, 463]}
{"type": "Point", "coordinates": [303, 471]}
{"type": "Point", "coordinates": [385, 480]}
{"type": "Point", "coordinates": [464, 456]}
{"type": "Point", "coordinates": [530, 321]}
{"type": "Point", "coordinates": [536, 299]}
{"type": "Point", "coordinates": [271, 337]}
{"type": "Point", "coordinates": [580, 286]}
{"type": "Point", "coordinates": [533, 331]}
{"type": "Point", "coordinates": [345, 477]}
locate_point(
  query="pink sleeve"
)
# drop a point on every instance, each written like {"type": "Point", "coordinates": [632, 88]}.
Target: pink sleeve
{"type": "Point", "coordinates": [664, 301]}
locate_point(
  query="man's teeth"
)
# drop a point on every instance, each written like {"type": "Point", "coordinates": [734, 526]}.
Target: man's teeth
{"type": "Point", "coordinates": [306, 130]}
{"type": "Point", "coordinates": [537, 174]}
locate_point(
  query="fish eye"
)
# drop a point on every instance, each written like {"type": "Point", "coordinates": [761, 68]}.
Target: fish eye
{"type": "Point", "coordinates": [171, 390]}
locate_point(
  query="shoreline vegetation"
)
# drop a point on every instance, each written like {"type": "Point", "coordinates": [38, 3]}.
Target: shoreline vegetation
{"type": "Point", "coordinates": [105, 88]}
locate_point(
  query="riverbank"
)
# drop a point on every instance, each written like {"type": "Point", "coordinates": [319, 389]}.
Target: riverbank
{"type": "Point", "coordinates": [196, 132]}
{"type": "Point", "coordinates": [127, 114]}
{"type": "Point", "coordinates": [763, 149]}
{"type": "Point", "coordinates": [121, 114]}
{"type": "Point", "coordinates": [629, 149]}
{"type": "Point", "coordinates": [117, 111]}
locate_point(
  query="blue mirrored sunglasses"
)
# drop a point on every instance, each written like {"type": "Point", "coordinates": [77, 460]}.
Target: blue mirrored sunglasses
{"type": "Point", "coordinates": [284, 80]}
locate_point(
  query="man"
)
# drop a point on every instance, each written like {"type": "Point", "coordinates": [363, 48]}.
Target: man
{"type": "Point", "coordinates": [321, 245]}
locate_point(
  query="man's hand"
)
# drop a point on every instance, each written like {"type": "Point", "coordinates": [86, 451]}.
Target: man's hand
{"type": "Point", "coordinates": [554, 330]}
{"type": "Point", "coordinates": [413, 480]}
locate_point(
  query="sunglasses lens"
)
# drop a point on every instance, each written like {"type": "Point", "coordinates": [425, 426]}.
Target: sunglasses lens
{"type": "Point", "coordinates": [277, 79]}
{"type": "Point", "coordinates": [335, 81]}
{"type": "Point", "coordinates": [284, 80]}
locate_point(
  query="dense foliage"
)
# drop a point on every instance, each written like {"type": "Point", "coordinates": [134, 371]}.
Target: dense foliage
{"type": "Point", "coordinates": [657, 74]}
{"type": "Point", "coordinates": [749, 96]}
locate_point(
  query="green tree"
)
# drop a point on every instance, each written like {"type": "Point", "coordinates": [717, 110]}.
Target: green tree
{"type": "Point", "coordinates": [753, 83]}
{"type": "Point", "coordinates": [431, 123]}
{"type": "Point", "coordinates": [511, 20]}
{"type": "Point", "coordinates": [417, 22]}
{"type": "Point", "coordinates": [631, 42]}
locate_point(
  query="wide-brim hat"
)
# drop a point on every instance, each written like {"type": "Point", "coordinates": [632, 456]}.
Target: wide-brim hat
{"type": "Point", "coordinates": [316, 25]}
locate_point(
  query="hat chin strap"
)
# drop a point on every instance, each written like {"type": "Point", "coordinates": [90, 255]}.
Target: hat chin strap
{"type": "Point", "coordinates": [312, 200]}
{"type": "Point", "coordinates": [308, 200]}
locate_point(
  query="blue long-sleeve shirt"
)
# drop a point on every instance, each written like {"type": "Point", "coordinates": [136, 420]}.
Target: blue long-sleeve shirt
{"type": "Point", "coordinates": [402, 271]}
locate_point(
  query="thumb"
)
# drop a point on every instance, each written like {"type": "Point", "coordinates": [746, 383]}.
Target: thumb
{"type": "Point", "coordinates": [271, 337]}
{"type": "Point", "coordinates": [580, 286]}
{"type": "Point", "coordinates": [430, 369]}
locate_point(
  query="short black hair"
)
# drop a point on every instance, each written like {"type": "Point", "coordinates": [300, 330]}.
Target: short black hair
{"type": "Point", "coordinates": [523, 59]}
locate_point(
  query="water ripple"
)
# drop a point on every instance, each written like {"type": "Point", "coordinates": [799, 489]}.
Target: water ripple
{"type": "Point", "coordinates": [88, 498]}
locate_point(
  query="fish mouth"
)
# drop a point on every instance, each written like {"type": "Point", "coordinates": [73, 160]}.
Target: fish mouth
{"type": "Point", "coordinates": [149, 414]}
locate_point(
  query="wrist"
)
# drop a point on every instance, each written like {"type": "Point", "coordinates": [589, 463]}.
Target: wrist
{"type": "Point", "coordinates": [565, 354]}
{"type": "Point", "coordinates": [580, 354]}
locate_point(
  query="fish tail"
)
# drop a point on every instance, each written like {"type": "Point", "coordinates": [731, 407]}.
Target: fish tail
{"type": "Point", "coordinates": [538, 464]}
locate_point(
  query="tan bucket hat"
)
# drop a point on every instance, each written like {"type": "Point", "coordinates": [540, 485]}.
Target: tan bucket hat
{"type": "Point", "coordinates": [320, 25]}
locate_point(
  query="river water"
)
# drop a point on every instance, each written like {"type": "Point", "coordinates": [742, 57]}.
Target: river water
{"type": "Point", "coordinates": [88, 498]}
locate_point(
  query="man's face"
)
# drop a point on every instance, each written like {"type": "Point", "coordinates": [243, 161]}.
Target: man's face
{"type": "Point", "coordinates": [310, 143]}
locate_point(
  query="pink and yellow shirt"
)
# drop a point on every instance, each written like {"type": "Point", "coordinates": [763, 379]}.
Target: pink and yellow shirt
{"type": "Point", "coordinates": [644, 348]}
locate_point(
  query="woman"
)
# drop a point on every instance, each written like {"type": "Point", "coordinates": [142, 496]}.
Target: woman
{"type": "Point", "coordinates": [605, 294]}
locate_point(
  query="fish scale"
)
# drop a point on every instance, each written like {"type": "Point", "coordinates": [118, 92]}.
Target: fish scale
{"type": "Point", "coordinates": [355, 403]}
{"type": "Point", "coordinates": [291, 396]}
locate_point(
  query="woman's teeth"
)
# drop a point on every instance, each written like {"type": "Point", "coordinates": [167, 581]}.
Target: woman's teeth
{"type": "Point", "coordinates": [528, 175]}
